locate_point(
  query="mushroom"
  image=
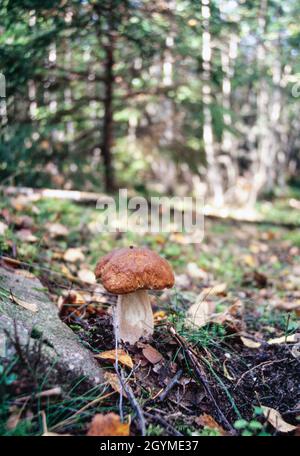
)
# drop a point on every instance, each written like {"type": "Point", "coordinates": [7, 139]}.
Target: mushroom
{"type": "Point", "coordinates": [129, 273]}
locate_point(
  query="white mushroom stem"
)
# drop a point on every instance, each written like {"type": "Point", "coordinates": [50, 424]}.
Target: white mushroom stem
{"type": "Point", "coordinates": [133, 317]}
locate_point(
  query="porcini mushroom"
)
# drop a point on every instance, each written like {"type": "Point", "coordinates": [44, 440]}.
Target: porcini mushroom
{"type": "Point", "coordinates": [129, 273]}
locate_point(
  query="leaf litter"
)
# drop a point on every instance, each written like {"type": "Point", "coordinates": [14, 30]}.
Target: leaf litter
{"type": "Point", "coordinates": [231, 339]}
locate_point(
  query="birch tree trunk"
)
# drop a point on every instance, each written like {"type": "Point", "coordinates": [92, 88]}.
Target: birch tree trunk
{"type": "Point", "coordinates": [229, 146]}
{"type": "Point", "coordinates": [213, 173]}
{"type": "Point", "coordinates": [261, 158]}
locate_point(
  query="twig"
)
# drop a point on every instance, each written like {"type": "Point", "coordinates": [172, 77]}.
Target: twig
{"type": "Point", "coordinates": [164, 423]}
{"type": "Point", "coordinates": [265, 363]}
{"type": "Point", "coordinates": [133, 401]}
{"type": "Point", "coordinates": [117, 367]}
{"type": "Point", "coordinates": [192, 357]}
{"type": "Point", "coordinates": [170, 385]}
{"type": "Point", "coordinates": [47, 393]}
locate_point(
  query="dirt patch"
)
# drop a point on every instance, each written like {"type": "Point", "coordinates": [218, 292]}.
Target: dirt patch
{"type": "Point", "coordinates": [238, 378]}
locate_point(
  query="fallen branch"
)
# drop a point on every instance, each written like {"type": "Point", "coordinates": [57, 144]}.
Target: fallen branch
{"type": "Point", "coordinates": [90, 197]}
{"type": "Point", "coordinates": [169, 386]}
{"type": "Point", "coordinates": [47, 393]}
{"type": "Point", "coordinates": [133, 401]}
{"type": "Point", "coordinates": [164, 423]}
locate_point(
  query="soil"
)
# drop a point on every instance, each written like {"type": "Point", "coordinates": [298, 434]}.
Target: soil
{"type": "Point", "coordinates": [241, 379]}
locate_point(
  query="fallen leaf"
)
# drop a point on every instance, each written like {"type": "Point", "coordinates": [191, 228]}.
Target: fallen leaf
{"type": "Point", "coordinates": [74, 297]}
{"type": "Point", "coordinates": [195, 272]}
{"type": "Point", "coordinates": [114, 382]}
{"type": "Point", "coordinates": [14, 418]}
{"type": "Point", "coordinates": [276, 420]}
{"type": "Point", "coordinates": [283, 340]}
{"type": "Point", "coordinates": [249, 260]}
{"type": "Point", "coordinates": [26, 235]}
{"type": "Point", "coordinates": [3, 228]}
{"type": "Point", "coordinates": [288, 306]}
{"type": "Point", "coordinates": [208, 421]}
{"type": "Point", "coordinates": [159, 315]}
{"type": "Point", "coordinates": [218, 289]}
{"type": "Point", "coordinates": [68, 273]}
{"type": "Point", "coordinates": [57, 229]}
{"type": "Point", "coordinates": [152, 355]}
{"type": "Point", "coordinates": [21, 202]}
{"type": "Point", "coordinates": [108, 425]}
{"type": "Point", "coordinates": [110, 355]}
{"type": "Point", "coordinates": [23, 221]}
{"type": "Point", "coordinates": [183, 281]}
{"type": "Point", "coordinates": [73, 255]}
{"type": "Point", "coordinates": [249, 343]}
{"type": "Point", "coordinates": [86, 275]}
{"type": "Point", "coordinates": [27, 305]}
{"type": "Point", "coordinates": [260, 279]}
{"type": "Point", "coordinates": [199, 314]}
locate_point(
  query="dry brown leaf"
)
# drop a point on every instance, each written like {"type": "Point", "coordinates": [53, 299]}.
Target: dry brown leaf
{"type": "Point", "coordinates": [65, 271]}
{"type": "Point", "coordinates": [195, 272]}
{"type": "Point", "coordinates": [218, 289]}
{"type": "Point", "coordinates": [159, 315]}
{"type": "Point", "coordinates": [73, 255]}
{"type": "Point", "coordinates": [57, 229]}
{"type": "Point", "coordinates": [288, 306]}
{"type": "Point", "coordinates": [108, 425]}
{"type": "Point", "coordinates": [75, 298]}
{"type": "Point", "coordinates": [14, 418]}
{"type": "Point", "coordinates": [114, 382]}
{"type": "Point", "coordinates": [283, 340]}
{"type": "Point", "coordinates": [208, 421]}
{"type": "Point", "coordinates": [249, 260]}
{"type": "Point", "coordinates": [20, 203]}
{"type": "Point", "coordinates": [199, 314]}
{"type": "Point", "coordinates": [86, 275]}
{"type": "Point", "coordinates": [110, 355]}
{"type": "Point", "coordinates": [152, 355]}
{"type": "Point", "coordinates": [276, 420]}
{"type": "Point", "coordinates": [249, 343]}
{"type": "Point", "coordinates": [26, 235]}
{"type": "Point", "coordinates": [27, 305]}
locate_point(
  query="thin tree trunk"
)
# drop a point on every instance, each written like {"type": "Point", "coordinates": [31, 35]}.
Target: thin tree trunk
{"type": "Point", "coordinates": [213, 171]}
{"type": "Point", "coordinates": [107, 132]}
{"type": "Point", "coordinates": [229, 146]}
{"type": "Point", "coordinates": [261, 159]}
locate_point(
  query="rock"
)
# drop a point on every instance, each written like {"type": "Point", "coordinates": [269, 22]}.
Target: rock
{"type": "Point", "coordinates": [62, 350]}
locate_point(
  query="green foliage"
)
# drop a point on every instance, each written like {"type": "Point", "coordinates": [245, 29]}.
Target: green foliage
{"type": "Point", "coordinates": [252, 427]}
{"type": "Point", "coordinates": [53, 55]}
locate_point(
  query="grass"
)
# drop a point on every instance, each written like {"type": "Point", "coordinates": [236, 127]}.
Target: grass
{"type": "Point", "coordinates": [221, 256]}
{"type": "Point", "coordinates": [68, 413]}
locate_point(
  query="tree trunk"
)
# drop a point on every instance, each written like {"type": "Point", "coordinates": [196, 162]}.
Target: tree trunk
{"type": "Point", "coordinates": [107, 132]}
{"type": "Point", "coordinates": [262, 158]}
{"type": "Point", "coordinates": [213, 171]}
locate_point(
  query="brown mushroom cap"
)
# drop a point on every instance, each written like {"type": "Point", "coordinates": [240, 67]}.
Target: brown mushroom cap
{"type": "Point", "coordinates": [136, 268]}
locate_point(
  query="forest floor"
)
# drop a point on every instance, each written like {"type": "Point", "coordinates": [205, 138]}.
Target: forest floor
{"type": "Point", "coordinates": [225, 355]}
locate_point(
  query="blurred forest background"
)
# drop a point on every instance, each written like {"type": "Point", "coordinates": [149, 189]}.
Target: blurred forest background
{"type": "Point", "coordinates": [166, 96]}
